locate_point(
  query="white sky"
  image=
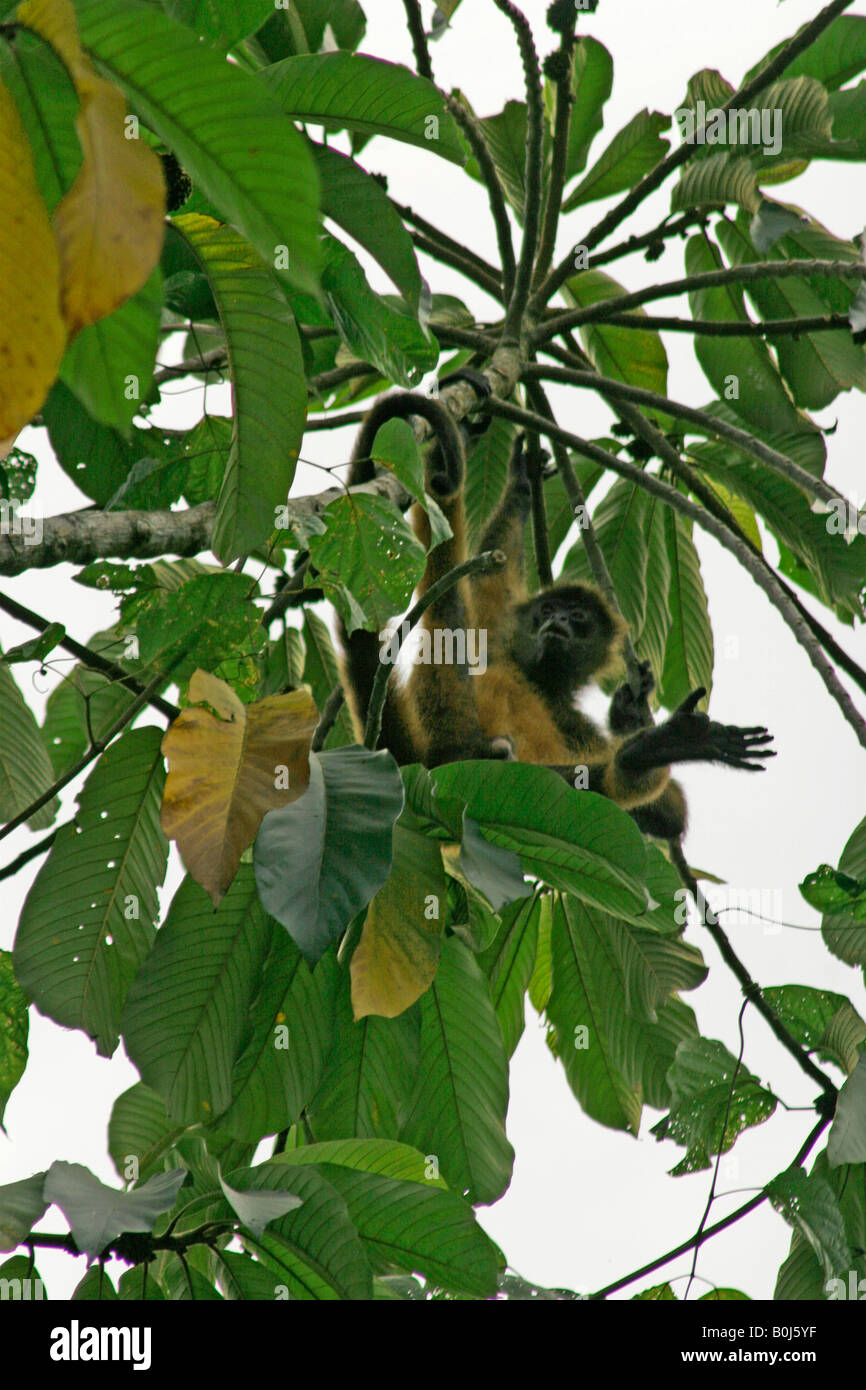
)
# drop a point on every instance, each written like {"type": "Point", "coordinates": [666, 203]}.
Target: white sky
{"type": "Point", "coordinates": [586, 1204]}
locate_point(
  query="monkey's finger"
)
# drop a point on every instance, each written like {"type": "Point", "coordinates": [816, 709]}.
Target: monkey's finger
{"type": "Point", "coordinates": [688, 704]}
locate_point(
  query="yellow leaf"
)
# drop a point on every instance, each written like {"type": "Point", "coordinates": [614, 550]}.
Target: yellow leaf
{"type": "Point", "coordinates": [32, 333]}
{"type": "Point", "coordinates": [110, 224]}
{"type": "Point", "coordinates": [226, 773]}
{"type": "Point", "coordinates": [398, 955]}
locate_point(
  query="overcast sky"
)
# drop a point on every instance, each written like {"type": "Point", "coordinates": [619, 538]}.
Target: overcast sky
{"type": "Point", "coordinates": [586, 1204]}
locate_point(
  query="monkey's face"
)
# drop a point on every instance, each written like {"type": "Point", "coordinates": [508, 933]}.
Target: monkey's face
{"type": "Point", "coordinates": [563, 637]}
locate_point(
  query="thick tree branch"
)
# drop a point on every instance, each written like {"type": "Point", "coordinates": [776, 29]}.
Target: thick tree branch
{"type": "Point", "coordinates": [78, 537]}
{"type": "Point", "coordinates": [651, 181]}
{"type": "Point", "coordinates": [763, 578]}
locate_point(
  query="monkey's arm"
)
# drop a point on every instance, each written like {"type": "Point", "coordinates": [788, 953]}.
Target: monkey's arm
{"type": "Point", "coordinates": [689, 737]}
{"type": "Point", "coordinates": [494, 595]}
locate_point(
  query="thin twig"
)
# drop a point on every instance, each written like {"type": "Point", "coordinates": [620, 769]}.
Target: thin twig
{"type": "Point", "coordinates": [751, 989]}
{"type": "Point", "coordinates": [485, 270]}
{"type": "Point", "coordinates": [485, 563]}
{"type": "Point", "coordinates": [644, 241]}
{"type": "Point", "coordinates": [700, 1237]}
{"type": "Point", "coordinates": [41, 847]}
{"type": "Point", "coordinates": [93, 751]}
{"type": "Point", "coordinates": [710, 279]}
{"type": "Point", "coordinates": [328, 718]}
{"type": "Point", "coordinates": [86, 655]}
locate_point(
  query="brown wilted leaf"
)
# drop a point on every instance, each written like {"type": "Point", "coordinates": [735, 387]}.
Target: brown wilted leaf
{"type": "Point", "coordinates": [226, 773]}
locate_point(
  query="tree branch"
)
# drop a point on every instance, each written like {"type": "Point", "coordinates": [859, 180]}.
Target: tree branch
{"type": "Point", "coordinates": [750, 987]}
{"type": "Point", "coordinates": [742, 274]}
{"type": "Point", "coordinates": [423, 65]}
{"type": "Point", "coordinates": [478, 144]}
{"type": "Point", "coordinates": [708, 424]}
{"type": "Point", "coordinates": [488, 275]}
{"type": "Point", "coordinates": [79, 537]}
{"type": "Point", "coordinates": [564, 102]}
{"type": "Point", "coordinates": [519, 296]}
{"type": "Point", "coordinates": [730, 328]}
{"type": "Point", "coordinates": [87, 655]}
{"type": "Point", "coordinates": [705, 1234]}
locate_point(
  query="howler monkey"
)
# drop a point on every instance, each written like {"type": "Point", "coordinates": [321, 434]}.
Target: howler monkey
{"type": "Point", "coordinates": [542, 650]}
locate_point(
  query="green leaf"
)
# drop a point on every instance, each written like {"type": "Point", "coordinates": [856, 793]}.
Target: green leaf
{"type": "Point", "coordinates": [321, 859]}
{"type": "Point", "coordinates": [369, 1075]}
{"type": "Point", "coordinates": [256, 1210]}
{"type": "Point", "coordinates": [14, 1020]}
{"type": "Point", "coordinates": [89, 920]}
{"type": "Point", "coordinates": [227, 21]}
{"type": "Point", "coordinates": [140, 1133]}
{"type": "Point", "coordinates": [213, 116]}
{"type": "Point", "coordinates": [109, 365]}
{"type": "Point", "coordinates": [722, 178]}
{"type": "Point", "coordinates": [359, 204]}
{"type": "Point", "coordinates": [407, 1219]}
{"type": "Point", "coordinates": [25, 767]}
{"type": "Point", "coordinates": [22, 1207]}
{"type": "Point", "coordinates": [689, 651]}
{"type": "Point", "coordinates": [578, 843]}
{"type": "Point", "coordinates": [461, 1096]}
{"type": "Point", "coordinates": [186, 1015]}
{"type": "Point", "coordinates": [291, 1025]}
{"type": "Point", "coordinates": [633, 355]}
{"type": "Point", "coordinates": [371, 549]}
{"type": "Point", "coordinates": [713, 1101]}
{"type": "Point", "coordinates": [809, 1205]}
{"type": "Point", "coordinates": [508, 963]}
{"type": "Point", "coordinates": [506, 137]}
{"type": "Point", "coordinates": [741, 371]}
{"type": "Point", "coordinates": [348, 91]}
{"type": "Point", "coordinates": [846, 1142]}
{"type": "Point", "coordinates": [816, 366]}
{"type": "Point", "coordinates": [374, 328]}
{"type": "Point", "coordinates": [345, 19]}
{"type": "Point", "coordinates": [315, 1250]}
{"type": "Point", "coordinates": [268, 386]}
{"type": "Point", "coordinates": [616, 1027]}
{"type": "Point", "coordinates": [97, 1214]}
{"type": "Point", "coordinates": [834, 57]}
{"type": "Point", "coordinates": [632, 152]}
{"type": "Point", "coordinates": [36, 648]}
{"type": "Point", "coordinates": [592, 82]}
{"type": "Point", "coordinates": [620, 523]}
{"type": "Point", "coordinates": [493, 871]}
{"type": "Point", "coordinates": [821, 1021]}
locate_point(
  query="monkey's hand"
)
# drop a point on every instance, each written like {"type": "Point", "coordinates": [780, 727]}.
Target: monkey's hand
{"type": "Point", "coordinates": [629, 711]}
{"type": "Point", "coordinates": [688, 737]}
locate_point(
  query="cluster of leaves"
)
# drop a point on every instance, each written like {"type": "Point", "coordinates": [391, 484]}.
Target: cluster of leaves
{"type": "Point", "coordinates": [346, 963]}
